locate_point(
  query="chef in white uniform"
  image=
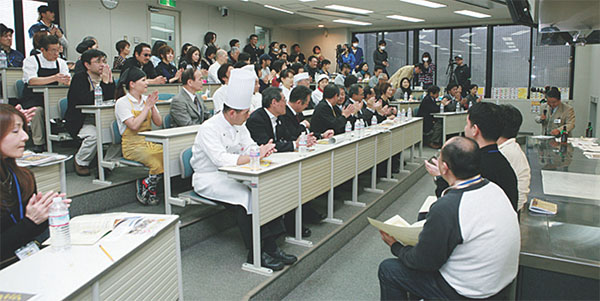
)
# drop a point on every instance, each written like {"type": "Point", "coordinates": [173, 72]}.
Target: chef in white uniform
{"type": "Point", "coordinates": [223, 140]}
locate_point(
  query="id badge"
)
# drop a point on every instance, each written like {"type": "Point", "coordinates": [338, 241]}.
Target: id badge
{"type": "Point", "coordinates": [27, 250]}
{"type": "Point", "coordinates": [557, 121]}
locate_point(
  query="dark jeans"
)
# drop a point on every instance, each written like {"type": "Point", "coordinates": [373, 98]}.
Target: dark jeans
{"type": "Point", "coordinates": [435, 134]}
{"type": "Point", "coordinates": [397, 281]}
{"type": "Point", "coordinates": [268, 232]}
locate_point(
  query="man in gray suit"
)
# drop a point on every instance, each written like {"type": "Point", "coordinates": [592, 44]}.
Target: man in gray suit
{"type": "Point", "coordinates": [186, 107]}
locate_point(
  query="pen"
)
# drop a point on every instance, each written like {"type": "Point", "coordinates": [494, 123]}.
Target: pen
{"type": "Point", "coordinates": [104, 250]}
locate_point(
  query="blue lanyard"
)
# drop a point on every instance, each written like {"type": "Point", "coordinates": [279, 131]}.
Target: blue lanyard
{"type": "Point", "coordinates": [19, 196]}
{"type": "Point", "coordinates": [493, 151]}
{"type": "Point", "coordinates": [463, 184]}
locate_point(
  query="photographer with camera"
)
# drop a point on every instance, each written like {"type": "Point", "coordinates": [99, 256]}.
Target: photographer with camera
{"type": "Point", "coordinates": [556, 115]}
{"type": "Point", "coordinates": [462, 74]}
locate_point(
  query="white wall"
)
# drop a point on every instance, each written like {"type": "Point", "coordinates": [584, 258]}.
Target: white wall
{"type": "Point", "coordinates": [587, 73]}
{"type": "Point", "coordinates": [327, 39]}
{"type": "Point", "coordinates": [81, 18]}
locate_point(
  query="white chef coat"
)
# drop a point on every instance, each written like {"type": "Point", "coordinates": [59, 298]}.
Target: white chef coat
{"type": "Point", "coordinates": [286, 92]}
{"type": "Point", "coordinates": [219, 144]}
{"type": "Point", "coordinates": [316, 96]}
{"type": "Point", "coordinates": [219, 98]}
{"type": "Point", "coordinates": [213, 76]}
{"type": "Point", "coordinates": [518, 161]}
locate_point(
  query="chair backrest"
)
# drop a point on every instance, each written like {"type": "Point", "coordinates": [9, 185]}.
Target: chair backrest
{"type": "Point", "coordinates": [19, 86]}
{"type": "Point", "coordinates": [184, 163]}
{"type": "Point", "coordinates": [167, 122]}
{"type": "Point", "coordinates": [62, 107]}
{"type": "Point", "coordinates": [415, 111]}
{"type": "Point", "coordinates": [116, 135]}
{"type": "Point", "coordinates": [165, 96]}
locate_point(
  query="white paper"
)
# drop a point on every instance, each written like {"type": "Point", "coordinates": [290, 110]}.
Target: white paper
{"type": "Point", "coordinates": [571, 184]}
{"type": "Point", "coordinates": [398, 228]}
{"type": "Point", "coordinates": [427, 204]}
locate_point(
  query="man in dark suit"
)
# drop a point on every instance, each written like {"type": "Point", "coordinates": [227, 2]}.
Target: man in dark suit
{"type": "Point", "coordinates": [294, 120]}
{"type": "Point", "coordinates": [186, 107]}
{"type": "Point", "coordinates": [328, 115]}
{"type": "Point", "coordinates": [355, 97]}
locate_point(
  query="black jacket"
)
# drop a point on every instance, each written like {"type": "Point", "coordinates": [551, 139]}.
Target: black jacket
{"type": "Point", "coordinates": [261, 130]}
{"type": "Point", "coordinates": [81, 93]}
{"type": "Point", "coordinates": [426, 108]}
{"type": "Point", "coordinates": [254, 52]}
{"type": "Point", "coordinates": [324, 119]}
{"type": "Point", "coordinates": [148, 68]}
{"type": "Point", "coordinates": [166, 70]}
{"type": "Point", "coordinates": [495, 168]}
{"type": "Point", "coordinates": [379, 58]}
{"type": "Point", "coordinates": [463, 76]}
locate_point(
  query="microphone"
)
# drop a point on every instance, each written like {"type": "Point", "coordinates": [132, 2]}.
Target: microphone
{"type": "Point", "coordinates": [545, 111]}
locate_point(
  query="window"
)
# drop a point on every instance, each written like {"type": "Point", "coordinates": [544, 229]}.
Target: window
{"type": "Point", "coordinates": [511, 61]}
{"type": "Point", "coordinates": [396, 49]}
{"type": "Point", "coordinates": [411, 48]}
{"type": "Point", "coordinates": [443, 57]}
{"type": "Point", "coordinates": [30, 17]}
{"type": "Point", "coordinates": [7, 15]}
{"type": "Point", "coordinates": [461, 38]}
{"type": "Point", "coordinates": [162, 28]}
{"type": "Point", "coordinates": [368, 43]}
{"type": "Point", "coordinates": [550, 65]}
{"type": "Point", "coordinates": [264, 36]}
{"type": "Point", "coordinates": [478, 57]}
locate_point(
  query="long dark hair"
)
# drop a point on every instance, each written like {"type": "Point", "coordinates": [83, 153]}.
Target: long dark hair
{"type": "Point", "coordinates": [407, 90]}
{"type": "Point", "coordinates": [24, 176]}
{"type": "Point", "coordinates": [188, 56]}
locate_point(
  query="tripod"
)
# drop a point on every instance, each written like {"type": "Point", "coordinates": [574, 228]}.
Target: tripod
{"type": "Point", "coordinates": [450, 72]}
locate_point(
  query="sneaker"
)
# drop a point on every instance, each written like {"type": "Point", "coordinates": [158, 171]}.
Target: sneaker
{"type": "Point", "coordinates": [81, 170]}
{"type": "Point", "coordinates": [152, 197]}
{"type": "Point", "coordinates": [141, 191]}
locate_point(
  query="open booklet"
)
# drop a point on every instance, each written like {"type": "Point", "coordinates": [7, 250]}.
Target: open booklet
{"type": "Point", "coordinates": [400, 229]}
{"type": "Point", "coordinates": [543, 207]}
{"type": "Point", "coordinates": [33, 159]}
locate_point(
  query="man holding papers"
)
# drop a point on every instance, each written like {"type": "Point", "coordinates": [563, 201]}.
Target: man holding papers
{"type": "Point", "coordinates": [469, 246]}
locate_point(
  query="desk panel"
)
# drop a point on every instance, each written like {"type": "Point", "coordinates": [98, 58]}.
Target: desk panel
{"type": "Point", "coordinates": [47, 178]}
{"type": "Point", "coordinates": [398, 137]}
{"type": "Point", "coordinates": [366, 154]}
{"type": "Point", "coordinates": [316, 176]}
{"type": "Point", "coordinates": [455, 123]}
{"type": "Point", "coordinates": [344, 164]}
{"type": "Point", "coordinates": [54, 95]}
{"type": "Point", "coordinates": [413, 133]}
{"type": "Point", "coordinates": [12, 76]}
{"type": "Point", "coordinates": [176, 146]}
{"type": "Point", "coordinates": [383, 146]}
{"type": "Point", "coordinates": [169, 88]}
{"type": "Point", "coordinates": [278, 192]}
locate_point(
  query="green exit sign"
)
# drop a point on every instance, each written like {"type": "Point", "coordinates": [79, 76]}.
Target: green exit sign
{"type": "Point", "coordinates": [169, 3]}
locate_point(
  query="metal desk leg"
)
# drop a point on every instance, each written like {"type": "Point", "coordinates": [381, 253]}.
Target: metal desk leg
{"type": "Point", "coordinates": [100, 151]}
{"type": "Point", "coordinates": [4, 82]}
{"type": "Point", "coordinates": [412, 153]}
{"type": "Point", "coordinates": [421, 148]}
{"type": "Point", "coordinates": [373, 187]}
{"type": "Point", "coordinates": [330, 218]}
{"type": "Point", "coordinates": [256, 267]}
{"type": "Point", "coordinates": [47, 119]}
{"type": "Point", "coordinates": [354, 201]}
{"type": "Point", "coordinates": [63, 177]}
{"type": "Point", "coordinates": [297, 240]}
{"type": "Point", "coordinates": [166, 176]}
{"type": "Point", "coordinates": [444, 130]}
{"type": "Point", "coordinates": [389, 178]}
{"type": "Point", "coordinates": [402, 161]}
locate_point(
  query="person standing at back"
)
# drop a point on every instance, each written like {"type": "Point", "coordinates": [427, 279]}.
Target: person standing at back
{"type": "Point", "coordinates": [556, 115]}
{"type": "Point", "coordinates": [253, 50]}
{"type": "Point", "coordinates": [484, 125]}
{"type": "Point", "coordinates": [357, 52]}
{"type": "Point", "coordinates": [45, 19]}
{"type": "Point", "coordinates": [380, 56]}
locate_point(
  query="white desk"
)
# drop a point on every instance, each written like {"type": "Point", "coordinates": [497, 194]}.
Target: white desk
{"type": "Point", "coordinates": [406, 104]}
{"type": "Point", "coordinates": [104, 115]}
{"type": "Point", "coordinates": [173, 141]}
{"type": "Point", "coordinates": [301, 178]}
{"type": "Point", "coordinates": [52, 95]}
{"type": "Point", "coordinates": [165, 88]}
{"type": "Point", "coordinates": [146, 267]}
{"type": "Point", "coordinates": [46, 176]}
{"type": "Point", "coordinates": [9, 77]}
{"type": "Point", "coordinates": [453, 123]}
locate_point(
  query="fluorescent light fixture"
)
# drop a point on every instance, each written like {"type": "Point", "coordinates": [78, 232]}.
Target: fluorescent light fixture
{"type": "Point", "coordinates": [279, 9]}
{"type": "Point", "coordinates": [507, 38]}
{"type": "Point", "coordinates": [320, 25]}
{"type": "Point", "coordinates": [161, 29]}
{"type": "Point", "coordinates": [466, 35]}
{"type": "Point", "coordinates": [435, 46]}
{"type": "Point", "coordinates": [476, 47]}
{"type": "Point", "coordinates": [307, 0]}
{"type": "Point", "coordinates": [470, 13]}
{"type": "Point", "coordinates": [471, 44]}
{"type": "Point", "coordinates": [349, 9]}
{"type": "Point", "coordinates": [426, 42]}
{"type": "Point", "coordinates": [404, 18]}
{"type": "Point", "coordinates": [444, 49]}
{"type": "Point", "coordinates": [352, 22]}
{"type": "Point", "coordinates": [464, 40]}
{"type": "Point", "coordinates": [427, 30]}
{"type": "Point", "coordinates": [518, 33]}
{"type": "Point", "coordinates": [425, 3]}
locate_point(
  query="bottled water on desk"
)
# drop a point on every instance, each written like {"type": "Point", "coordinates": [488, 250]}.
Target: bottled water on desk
{"type": "Point", "coordinates": [373, 120]}
{"type": "Point", "coordinates": [3, 59]}
{"type": "Point", "coordinates": [302, 144]}
{"type": "Point", "coordinates": [348, 128]}
{"type": "Point", "coordinates": [457, 107]}
{"type": "Point", "coordinates": [405, 96]}
{"type": "Point", "coordinates": [403, 115]}
{"type": "Point", "coordinates": [58, 219]}
{"type": "Point", "coordinates": [358, 127]}
{"type": "Point", "coordinates": [409, 114]}
{"type": "Point", "coordinates": [441, 108]}
{"type": "Point", "coordinates": [98, 94]}
{"type": "Point", "coordinates": [254, 157]}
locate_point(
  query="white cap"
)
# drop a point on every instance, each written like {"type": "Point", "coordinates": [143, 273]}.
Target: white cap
{"type": "Point", "coordinates": [240, 89]}
{"type": "Point", "coordinates": [321, 77]}
{"type": "Point", "coordinates": [300, 76]}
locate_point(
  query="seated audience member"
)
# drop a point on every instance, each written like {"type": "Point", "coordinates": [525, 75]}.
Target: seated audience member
{"type": "Point", "coordinates": [372, 106]}
{"type": "Point", "coordinates": [88, 43]}
{"type": "Point", "coordinates": [297, 68]}
{"type": "Point", "coordinates": [122, 47]}
{"type": "Point", "coordinates": [404, 89]}
{"type": "Point", "coordinates": [508, 146]}
{"type": "Point", "coordinates": [287, 82]}
{"type": "Point", "coordinates": [374, 80]}
{"type": "Point", "coordinates": [472, 97]}
{"type": "Point", "coordinates": [408, 71]}
{"type": "Point", "coordinates": [555, 115]}
{"type": "Point", "coordinates": [210, 39]}
{"type": "Point", "coordinates": [220, 94]}
{"type": "Point", "coordinates": [312, 66]}
{"type": "Point", "coordinates": [284, 57]}
{"type": "Point", "coordinates": [302, 79]}
{"type": "Point", "coordinates": [469, 245]}
{"type": "Point", "coordinates": [24, 210]}
{"type": "Point", "coordinates": [294, 119]}
{"type": "Point", "coordinates": [484, 125]}
{"type": "Point", "coordinates": [81, 92]}
{"type": "Point", "coordinates": [135, 113]}
{"type": "Point", "coordinates": [317, 53]}
{"type": "Point", "coordinates": [213, 76]}
{"type": "Point", "coordinates": [182, 63]}
{"type": "Point", "coordinates": [256, 100]}
{"type": "Point", "coordinates": [450, 98]}
{"type": "Point", "coordinates": [317, 94]}
{"type": "Point", "coordinates": [362, 72]}
{"type": "Point", "coordinates": [265, 71]}
{"type": "Point", "coordinates": [277, 67]}
{"type": "Point", "coordinates": [155, 58]}
{"type": "Point", "coordinates": [192, 59]}
{"type": "Point", "coordinates": [244, 57]}
{"type": "Point", "coordinates": [325, 67]}
{"type": "Point", "coordinates": [387, 94]}
{"type": "Point", "coordinates": [186, 107]}
{"type": "Point", "coordinates": [234, 43]}
{"type": "Point", "coordinates": [38, 70]}
{"type": "Point", "coordinates": [234, 54]}
{"type": "Point", "coordinates": [14, 58]}
{"type": "Point", "coordinates": [355, 97]}
{"type": "Point", "coordinates": [274, 50]}
{"type": "Point", "coordinates": [223, 140]}
{"type": "Point", "coordinates": [432, 128]}
{"type": "Point", "coordinates": [141, 59]}
{"type": "Point", "coordinates": [381, 80]}
{"type": "Point", "coordinates": [327, 115]}
{"type": "Point", "coordinates": [209, 57]}
{"type": "Point", "coordinates": [341, 77]}
{"type": "Point", "coordinates": [166, 67]}
{"type": "Point", "coordinates": [296, 50]}
{"type": "Point", "coordinates": [37, 40]}
{"type": "Point", "coordinates": [253, 50]}
{"type": "Point", "coordinates": [349, 81]}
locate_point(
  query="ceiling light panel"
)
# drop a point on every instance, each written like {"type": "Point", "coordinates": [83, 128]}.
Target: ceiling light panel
{"type": "Point", "coordinates": [279, 9]}
{"type": "Point", "coordinates": [348, 9]}
{"type": "Point", "coordinates": [470, 13]}
{"type": "Point", "coordinates": [405, 18]}
{"type": "Point", "coordinates": [425, 3]}
{"type": "Point", "coordinates": [352, 22]}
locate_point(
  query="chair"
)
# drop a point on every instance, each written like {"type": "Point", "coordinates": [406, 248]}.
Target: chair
{"type": "Point", "coordinates": [167, 122]}
{"type": "Point", "coordinates": [19, 86]}
{"type": "Point", "coordinates": [415, 111]}
{"type": "Point", "coordinates": [186, 172]}
{"type": "Point", "coordinates": [165, 96]}
{"type": "Point", "coordinates": [62, 107]}
{"type": "Point", "coordinates": [116, 137]}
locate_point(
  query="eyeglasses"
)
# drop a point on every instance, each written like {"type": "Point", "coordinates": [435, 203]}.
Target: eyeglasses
{"type": "Point", "coordinates": [146, 55]}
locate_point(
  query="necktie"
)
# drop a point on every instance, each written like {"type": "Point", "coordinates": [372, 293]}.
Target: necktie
{"type": "Point", "coordinates": [333, 110]}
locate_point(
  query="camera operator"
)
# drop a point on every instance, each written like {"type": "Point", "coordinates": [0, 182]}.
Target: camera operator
{"type": "Point", "coordinates": [556, 115]}
{"type": "Point", "coordinates": [462, 74]}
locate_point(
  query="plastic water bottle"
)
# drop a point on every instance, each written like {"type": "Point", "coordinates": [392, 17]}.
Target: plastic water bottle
{"type": "Point", "coordinates": [98, 94]}
{"type": "Point", "coordinates": [358, 127]}
{"type": "Point", "coordinates": [458, 107]}
{"type": "Point", "coordinates": [405, 96]}
{"type": "Point", "coordinates": [3, 59]}
{"type": "Point", "coordinates": [373, 120]}
{"type": "Point", "coordinates": [302, 144]}
{"type": "Point", "coordinates": [441, 108]}
{"type": "Point", "coordinates": [470, 104]}
{"type": "Point", "coordinates": [58, 219]}
{"type": "Point", "coordinates": [348, 127]}
{"type": "Point", "coordinates": [254, 157]}
{"type": "Point", "coordinates": [409, 114]}
{"type": "Point", "coordinates": [403, 115]}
